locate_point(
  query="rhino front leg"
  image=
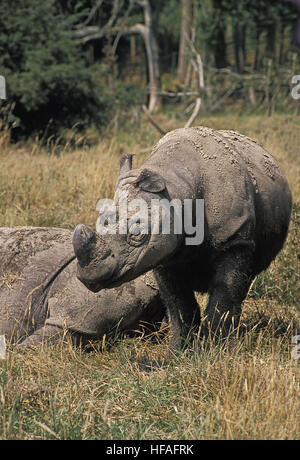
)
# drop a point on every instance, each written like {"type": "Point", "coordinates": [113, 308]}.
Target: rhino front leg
{"type": "Point", "coordinates": [228, 289]}
{"type": "Point", "coordinates": [181, 306]}
{"type": "Point", "coordinates": [45, 335]}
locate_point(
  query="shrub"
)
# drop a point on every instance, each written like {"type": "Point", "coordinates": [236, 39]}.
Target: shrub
{"type": "Point", "coordinates": [48, 82]}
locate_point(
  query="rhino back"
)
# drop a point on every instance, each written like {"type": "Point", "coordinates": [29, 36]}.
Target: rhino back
{"type": "Point", "coordinates": [244, 188]}
{"type": "Point", "coordinates": [272, 193]}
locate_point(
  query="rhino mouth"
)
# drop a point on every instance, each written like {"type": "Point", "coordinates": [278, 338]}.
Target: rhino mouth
{"type": "Point", "coordinates": [93, 286]}
{"type": "Point", "coordinates": [97, 285]}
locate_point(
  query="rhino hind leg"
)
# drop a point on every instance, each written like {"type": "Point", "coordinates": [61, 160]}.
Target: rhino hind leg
{"type": "Point", "coordinates": [228, 289]}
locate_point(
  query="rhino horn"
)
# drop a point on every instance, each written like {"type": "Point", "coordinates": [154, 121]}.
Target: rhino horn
{"type": "Point", "coordinates": [84, 239]}
{"type": "Point", "coordinates": [125, 164]}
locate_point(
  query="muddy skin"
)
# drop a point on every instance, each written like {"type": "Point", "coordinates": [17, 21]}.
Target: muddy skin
{"type": "Point", "coordinates": [246, 219]}
{"type": "Point", "coordinates": [41, 298]}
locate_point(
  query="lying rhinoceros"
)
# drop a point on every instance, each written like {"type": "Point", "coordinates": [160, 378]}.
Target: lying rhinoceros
{"type": "Point", "coordinates": [41, 297]}
{"type": "Point", "coordinates": [244, 205]}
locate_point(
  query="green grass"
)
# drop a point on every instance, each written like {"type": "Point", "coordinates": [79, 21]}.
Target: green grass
{"type": "Point", "coordinates": [245, 389]}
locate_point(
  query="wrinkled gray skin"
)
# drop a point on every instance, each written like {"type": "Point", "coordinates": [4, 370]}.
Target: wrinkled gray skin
{"type": "Point", "coordinates": [247, 213]}
{"type": "Point", "coordinates": [41, 297]}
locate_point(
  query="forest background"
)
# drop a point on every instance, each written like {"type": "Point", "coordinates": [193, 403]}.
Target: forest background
{"type": "Point", "coordinates": [77, 64]}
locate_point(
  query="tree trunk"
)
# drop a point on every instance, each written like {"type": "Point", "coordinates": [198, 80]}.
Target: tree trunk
{"type": "Point", "coordinates": [146, 31]}
{"type": "Point", "coordinates": [88, 33]}
{"type": "Point", "coordinates": [186, 28]}
{"type": "Point", "coordinates": [133, 48]}
{"type": "Point", "coordinates": [281, 44]}
{"type": "Point", "coordinates": [220, 49]}
{"type": "Point", "coordinates": [270, 41]}
{"type": "Point", "coordinates": [237, 46]}
{"type": "Point", "coordinates": [154, 71]}
{"type": "Point", "coordinates": [244, 44]}
{"type": "Point", "coordinates": [257, 45]}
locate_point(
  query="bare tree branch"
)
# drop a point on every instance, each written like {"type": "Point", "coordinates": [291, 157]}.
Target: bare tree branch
{"type": "Point", "coordinates": [123, 23]}
{"type": "Point", "coordinates": [86, 32]}
{"type": "Point", "coordinates": [199, 66]}
{"type": "Point", "coordinates": [187, 125]}
{"type": "Point", "coordinates": [118, 29]}
{"type": "Point", "coordinates": [89, 33]}
{"type": "Point", "coordinates": [179, 94]}
{"type": "Point", "coordinates": [159, 129]}
{"type": "Point", "coordinates": [146, 31]}
{"type": "Point", "coordinates": [91, 14]}
{"type": "Point", "coordinates": [195, 113]}
{"type": "Point", "coordinates": [142, 3]}
{"type": "Point", "coordinates": [185, 29]}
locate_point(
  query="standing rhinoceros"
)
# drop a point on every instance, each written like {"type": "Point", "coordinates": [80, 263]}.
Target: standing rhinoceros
{"type": "Point", "coordinates": [41, 297]}
{"type": "Point", "coordinates": [247, 207]}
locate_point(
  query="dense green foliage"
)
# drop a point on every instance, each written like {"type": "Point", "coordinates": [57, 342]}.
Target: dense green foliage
{"type": "Point", "coordinates": [48, 81]}
{"type": "Point", "coordinates": [57, 78]}
{"type": "Point", "coordinates": [263, 27]}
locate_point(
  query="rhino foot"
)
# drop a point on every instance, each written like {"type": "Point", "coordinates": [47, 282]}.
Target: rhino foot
{"type": "Point", "coordinates": [45, 335]}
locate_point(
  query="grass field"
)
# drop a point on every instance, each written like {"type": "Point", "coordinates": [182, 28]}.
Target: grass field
{"type": "Point", "coordinates": [246, 389]}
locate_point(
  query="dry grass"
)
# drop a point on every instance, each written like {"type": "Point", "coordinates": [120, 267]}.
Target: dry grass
{"type": "Point", "coordinates": [245, 389]}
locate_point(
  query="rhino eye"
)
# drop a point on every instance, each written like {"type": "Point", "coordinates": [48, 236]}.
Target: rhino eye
{"type": "Point", "coordinates": [136, 229]}
{"type": "Point", "coordinates": [137, 234]}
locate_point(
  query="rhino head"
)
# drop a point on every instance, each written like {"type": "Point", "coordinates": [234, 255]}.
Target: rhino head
{"type": "Point", "coordinates": [127, 246]}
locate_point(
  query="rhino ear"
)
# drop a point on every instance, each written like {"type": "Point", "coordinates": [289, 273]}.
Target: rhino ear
{"type": "Point", "coordinates": [150, 181]}
{"type": "Point", "coordinates": [125, 164]}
